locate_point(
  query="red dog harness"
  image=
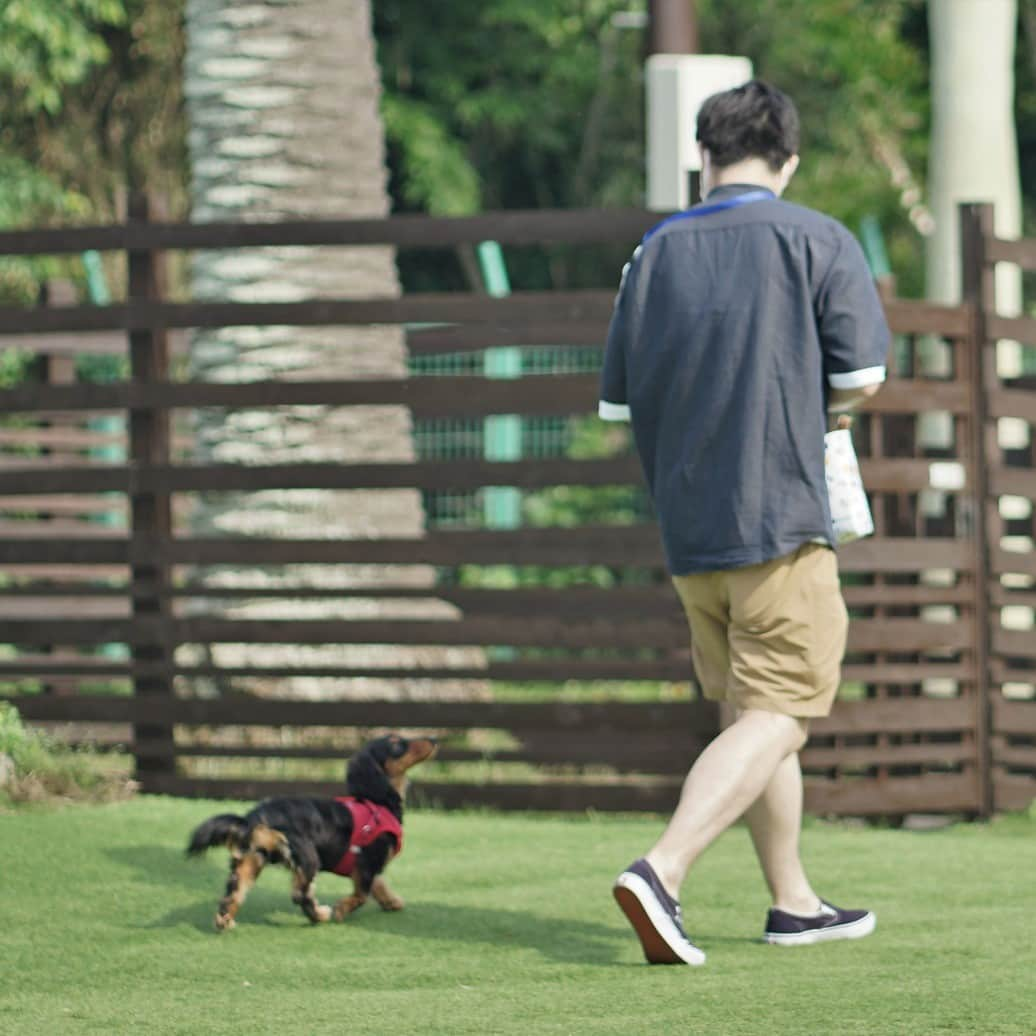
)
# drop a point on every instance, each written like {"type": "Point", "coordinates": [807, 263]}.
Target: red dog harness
{"type": "Point", "coordinates": [369, 821]}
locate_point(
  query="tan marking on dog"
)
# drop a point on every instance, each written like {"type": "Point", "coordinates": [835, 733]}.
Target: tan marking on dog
{"type": "Point", "coordinates": [419, 750]}
{"type": "Point", "coordinates": [395, 769]}
{"type": "Point", "coordinates": [269, 840]}
{"type": "Point", "coordinates": [302, 892]}
{"type": "Point", "coordinates": [385, 897]}
{"type": "Point", "coordinates": [346, 906]}
{"type": "Point", "coordinates": [247, 870]}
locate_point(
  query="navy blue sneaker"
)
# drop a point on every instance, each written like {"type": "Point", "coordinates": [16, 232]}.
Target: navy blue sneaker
{"type": "Point", "coordinates": [784, 929]}
{"type": "Point", "coordinates": [655, 916]}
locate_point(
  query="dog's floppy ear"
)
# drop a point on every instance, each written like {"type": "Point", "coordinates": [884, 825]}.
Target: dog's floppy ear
{"type": "Point", "coordinates": [367, 780]}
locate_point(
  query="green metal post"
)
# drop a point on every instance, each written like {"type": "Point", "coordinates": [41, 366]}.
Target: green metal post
{"type": "Point", "coordinates": [502, 433]}
{"type": "Point", "coordinates": [873, 242]}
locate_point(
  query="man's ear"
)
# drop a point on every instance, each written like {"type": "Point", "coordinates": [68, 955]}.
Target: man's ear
{"type": "Point", "coordinates": [705, 179]}
{"type": "Point", "coordinates": [787, 172]}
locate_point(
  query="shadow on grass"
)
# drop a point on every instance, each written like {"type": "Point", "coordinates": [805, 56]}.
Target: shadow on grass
{"type": "Point", "coordinates": [559, 939]}
{"type": "Point", "coordinates": [562, 940]}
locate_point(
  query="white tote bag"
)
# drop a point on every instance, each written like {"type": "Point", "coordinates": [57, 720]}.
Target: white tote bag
{"type": "Point", "coordinates": [850, 512]}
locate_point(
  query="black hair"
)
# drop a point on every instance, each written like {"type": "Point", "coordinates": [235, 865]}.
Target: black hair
{"type": "Point", "coordinates": [755, 120]}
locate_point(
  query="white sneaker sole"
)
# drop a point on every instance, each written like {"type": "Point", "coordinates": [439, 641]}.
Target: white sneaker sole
{"type": "Point", "coordinates": [854, 930]}
{"type": "Point", "coordinates": [660, 938]}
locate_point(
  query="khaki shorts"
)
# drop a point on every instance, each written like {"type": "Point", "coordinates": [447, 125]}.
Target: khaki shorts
{"type": "Point", "coordinates": [769, 636]}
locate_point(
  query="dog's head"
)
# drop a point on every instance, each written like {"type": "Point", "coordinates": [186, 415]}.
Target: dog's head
{"type": "Point", "coordinates": [378, 771]}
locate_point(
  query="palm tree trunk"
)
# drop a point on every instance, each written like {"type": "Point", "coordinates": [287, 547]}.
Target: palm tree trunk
{"type": "Point", "coordinates": [282, 98]}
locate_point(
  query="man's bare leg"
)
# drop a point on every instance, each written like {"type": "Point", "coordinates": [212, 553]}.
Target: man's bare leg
{"type": "Point", "coordinates": [775, 821]}
{"type": "Point", "coordinates": [723, 782]}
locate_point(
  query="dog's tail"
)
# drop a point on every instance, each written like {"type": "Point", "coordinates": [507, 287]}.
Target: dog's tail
{"type": "Point", "coordinates": [225, 829]}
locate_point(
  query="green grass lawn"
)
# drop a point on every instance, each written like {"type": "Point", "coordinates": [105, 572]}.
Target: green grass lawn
{"type": "Point", "coordinates": [509, 928]}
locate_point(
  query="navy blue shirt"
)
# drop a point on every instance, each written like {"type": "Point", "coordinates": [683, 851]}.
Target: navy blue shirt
{"type": "Point", "coordinates": [729, 326]}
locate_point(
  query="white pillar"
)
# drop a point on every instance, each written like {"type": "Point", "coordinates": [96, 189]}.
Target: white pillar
{"type": "Point", "coordinates": [677, 86]}
{"type": "Point", "coordinates": [974, 154]}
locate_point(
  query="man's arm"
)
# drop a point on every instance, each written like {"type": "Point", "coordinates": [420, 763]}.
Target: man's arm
{"type": "Point", "coordinates": [841, 400]}
{"type": "Point", "coordinates": [613, 405]}
{"type": "Point", "coordinates": [854, 335]}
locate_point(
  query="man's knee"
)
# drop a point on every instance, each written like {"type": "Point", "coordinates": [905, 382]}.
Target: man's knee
{"type": "Point", "coordinates": [792, 730]}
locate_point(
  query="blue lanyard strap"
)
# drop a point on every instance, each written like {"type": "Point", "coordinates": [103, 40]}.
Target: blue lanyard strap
{"type": "Point", "coordinates": [716, 206]}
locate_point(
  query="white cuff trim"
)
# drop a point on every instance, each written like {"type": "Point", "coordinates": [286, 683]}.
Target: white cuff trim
{"type": "Point", "coordinates": [613, 411]}
{"type": "Point", "coordinates": [857, 379]}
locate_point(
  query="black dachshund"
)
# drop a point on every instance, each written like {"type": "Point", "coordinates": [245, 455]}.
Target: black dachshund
{"type": "Point", "coordinates": [356, 835]}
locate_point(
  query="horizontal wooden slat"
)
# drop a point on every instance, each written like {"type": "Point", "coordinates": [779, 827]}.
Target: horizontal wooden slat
{"type": "Point", "coordinates": [895, 716]}
{"type": "Point", "coordinates": [518, 226]}
{"type": "Point", "coordinates": [904, 672]}
{"type": "Point", "coordinates": [1022, 252]}
{"type": "Point", "coordinates": [914, 395]}
{"type": "Point", "coordinates": [439, 396]}
{"type": "Point", "coordinates": [671, 755]}
{"type": "Point", "coordinates": [520, 601]}
{"type": "Point", "coordinates": [936, 793]}
{"type": "Point", "coordinates": [527, 307]}
{"type": "Point", "coordinates": [1017, 643]}
{"type": "Point", "coordinates": [1002, 561]}
{"type": "Point", "coordinates": [899, 476]}
{"type": "Point", "coordinates": [245, 710]}
{"type": "Point", "coordinates": [1013, 791]}
{"type": "Point", "coordinates": [1012, 482]}
{"type": "Point", "coordinates": [1014, 717]}
{"type": "Point", "coordinates": [862, 797]}
{"type": "Point", "coordinates": [87, 343]}
{"type": "Point", "coordinates": [876, 554]}
{"type": "Point", "coordinates": [858, 757]}
{"type": "Point", "coordinates": [461, 338]}
{"type": "Point", "coordinates": [909, 316]}
{"type": "Point", "coordinates": [1012, 402]}
{"type": "Point", "coordinates": [427, 475]}
{"type": "Point", "coordinates": [1002, 595]}
{"type": "Point", "coordinates": [58, 503]}
{"type": "Point", "coordinates": [586, 545]}
{"type": "Point", "coordinates": [865, 635]}
{"type": "Point", "coordinates": [656, 796]}
{"type": "Point", "coordinates": [675, 667]}
{"type": "Point", "coordinates": [1021, 757]}
{"type": "Point", "coordinates": [446, 307]}
{"type": "Point", "coordinates": [1022, 329]}
{"type": "Point", "coordinates": [896, 475]}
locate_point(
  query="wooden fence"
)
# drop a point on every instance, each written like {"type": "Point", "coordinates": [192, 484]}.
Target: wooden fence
{"type": "Point", "coordinates": [936, 713]}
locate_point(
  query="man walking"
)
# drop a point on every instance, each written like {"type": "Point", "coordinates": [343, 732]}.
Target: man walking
{"type": "Point", "coordinates": [738, 324]}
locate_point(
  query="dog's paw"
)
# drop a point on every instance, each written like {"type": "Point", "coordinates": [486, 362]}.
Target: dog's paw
{"type": "Point", "coordinates": [392, 902]}
{"type": "Point", "coordinates": [344, 907]}
{"type": "Point", "coordinates": [224, 922]}
{"type": "Point", "coordinates": [323, 913]}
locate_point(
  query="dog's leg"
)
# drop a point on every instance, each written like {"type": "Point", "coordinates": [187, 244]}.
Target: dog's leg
{"type": "Point", "coordinates": [346, 906]}
{"type": "Point", "coordinates": [244, 870]}
{"type": "Point", "coordinates": [369, 864]}
{"type": "Point", "coordinates": [386, 898]}
{"type": "Point", "coordinates": [302, 893]}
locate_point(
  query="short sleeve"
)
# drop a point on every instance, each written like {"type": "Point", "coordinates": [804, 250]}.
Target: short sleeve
{"type": "Point", "coordinates": [854, 334]}
{"type": "Point", "coordinates": [613, 405]}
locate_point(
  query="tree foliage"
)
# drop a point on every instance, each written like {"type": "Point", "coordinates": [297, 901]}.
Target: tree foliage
{"type": "Point", "coordinates": [500, 104]}
{"type": "Point", "coordinates": [541, 101]}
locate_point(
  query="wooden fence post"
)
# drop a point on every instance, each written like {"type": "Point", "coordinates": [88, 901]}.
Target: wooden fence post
{"type": "Point", "coordinates": [978, 294]}
{"type": "Point", "coordinates": [150, 512]}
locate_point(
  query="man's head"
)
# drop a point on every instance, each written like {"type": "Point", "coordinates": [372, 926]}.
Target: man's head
{"type": "Point", "coordinates": [754, 122]}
